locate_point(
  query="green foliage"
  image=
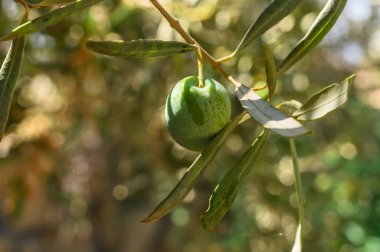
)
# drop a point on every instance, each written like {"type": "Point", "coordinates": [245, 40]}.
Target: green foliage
{"type": "Point", "coordinates": [139, 48]}
{"type": "Point", "coordinates": [76, 118]}
{"type": "Point", "coordinates": [297, 247]}
{"type": "Point", "coordinates": [52, 2]}
{"type": "Point", "coordinates": [188, 180]}
{"type": "Point", "coordinates": [267, 115]}
{"type": "Point", "coordinates": [327, 100]}
{"type": "Point", "coordinates": [227, 189]}
{"type": "Point", "coordinates": [270, 71]}
{"type": "Point", "coordinates": [321, 26]}
{"type": "Point", "coordinates": [48, 19]}
{"type": "Point", "coordinates": [271, 15]}
{"type": "Point", "coordinates": [8, 78]}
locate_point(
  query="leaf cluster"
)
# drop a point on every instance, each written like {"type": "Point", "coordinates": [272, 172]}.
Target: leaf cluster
{"type": "Point", "coordinates": [285, 119]}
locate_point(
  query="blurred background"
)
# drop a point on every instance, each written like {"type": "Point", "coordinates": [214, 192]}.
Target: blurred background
{"type": "Point", "coordinates": [86, 154]}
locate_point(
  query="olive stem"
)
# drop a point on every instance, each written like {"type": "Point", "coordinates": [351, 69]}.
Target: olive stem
{"type": "Point", "coordinates": [201, 79]}
{"type": "Point", "coordinates": [298, 185]}
{"type": "Point", "coordinates": [23, 3]}
{"type": "Point", "coordinates": [227, 58]}
{"type": "Point", "coordinates": [174, 23]}
{"type": "Point", "coordinates": [26, 10]}
{"type": "Point", "coordinates": [27, 5]}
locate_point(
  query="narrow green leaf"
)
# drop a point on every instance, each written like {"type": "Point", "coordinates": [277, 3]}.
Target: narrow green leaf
{"type": "Point", "coordinates": [270, 70]}
{"type": "Point", "coordinates": [267, 115]}
{"type": "Point", "coordinates": [53, 2]}
{"type": "Point", "coordinates": [8, 77]}
{"type": "Point", "coordinates": [226, 191]}
{"type": "Point", "coordinates": [325, 101]}
{"type": "Point", "coordinates": [272, 14]}
{"type": "Point", "coordinates": [139, 48]}
{"type": "Point", "coordinates": [300, 197]}
{"type": "Point", "coordinates": [195, 170]}
{"type": "Point", "coordinates": [48, 19]}
{"type": "Point", "coordinates": [297, 247]}
{"type": "Point", "coordinates": [319, 29]}
{"type": "Point", "coordinates": [33, 1]}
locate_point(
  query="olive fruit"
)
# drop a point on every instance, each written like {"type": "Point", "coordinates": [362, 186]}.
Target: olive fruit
{"type": "Point", "coordinates": [194, 114]}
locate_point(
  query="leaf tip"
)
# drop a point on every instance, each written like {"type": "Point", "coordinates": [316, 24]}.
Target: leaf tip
{"type": "Point", "coordinates": [351, 78]}
{"type": "Point", "coordinates": [149, 219]}
{"type": "Point", "coordinates": [206, 224]}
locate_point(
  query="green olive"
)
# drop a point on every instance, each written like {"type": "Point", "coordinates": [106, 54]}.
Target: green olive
{"type": "Point", "coordinates": [195, 114]}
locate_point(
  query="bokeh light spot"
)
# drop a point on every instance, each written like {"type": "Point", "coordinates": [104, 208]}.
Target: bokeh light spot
{"type": "Point", "coordinates": [355, 233]}
{"type": "Point", "coordinates": [120, 192]}
{"type": "Point", "coordinates": [348, 150]}
{"type": "Point", "coordinates": [180, 217]}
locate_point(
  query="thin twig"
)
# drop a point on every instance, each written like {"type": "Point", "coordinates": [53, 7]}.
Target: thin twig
{"type": "Point", "coordinates": [27, 5]}
{"type": "Point", "coordinates": [175, 24]}
{"type": "Point", "coordinates": [201, 78]}
{"type": "Point", "coordinates": [26, 10]}
{"type": "Point", "coordinates": [23, 3]}
{"type": "Point", "coordinates": [227, 58]}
